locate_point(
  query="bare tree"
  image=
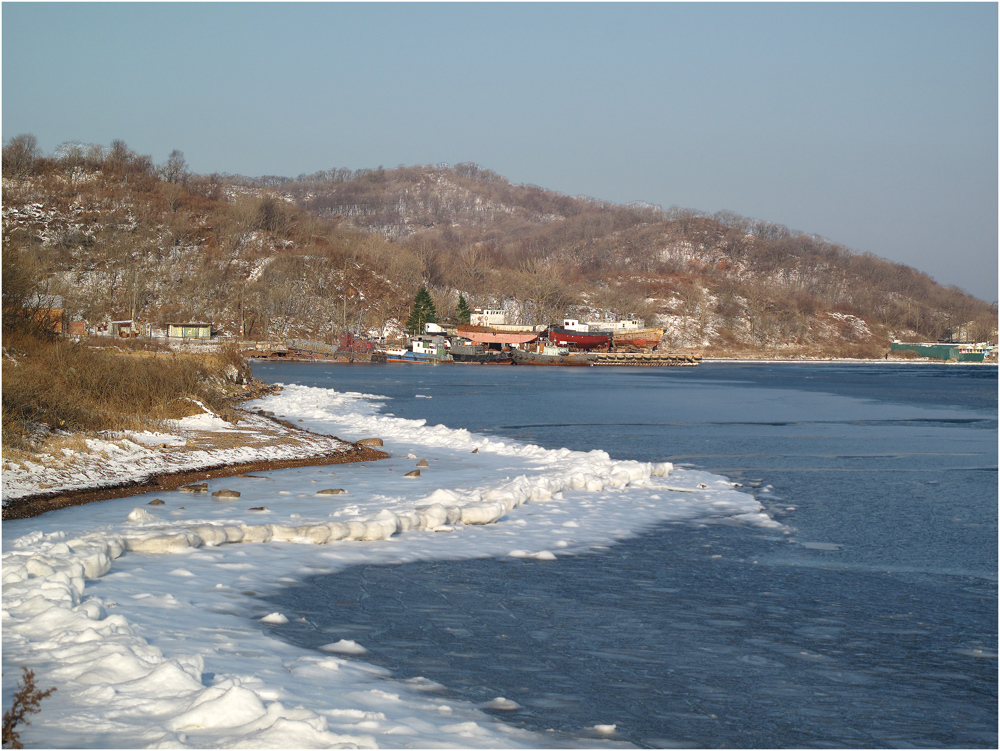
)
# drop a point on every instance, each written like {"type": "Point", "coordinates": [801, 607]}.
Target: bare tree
{"type": "Point", "coordinates": [20, 154]}
{"type": "Point", "coordinates": [175, 170]}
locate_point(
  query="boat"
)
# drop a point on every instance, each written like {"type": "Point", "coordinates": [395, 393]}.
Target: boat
{"type": "Point", "coordinates": [489, 335]}
{"type": "Point", "coordinates": [476, 353]}
{"type": "Point", "coordinates": [550, 355]}
{"type": "Point", "coordinates": [642, 338]}
{"type": "Point", "coordinates": [579, 339]}
{"type": "Point", "coordinates": [398, 354]}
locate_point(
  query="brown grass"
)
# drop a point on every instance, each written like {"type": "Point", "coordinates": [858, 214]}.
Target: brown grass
{"type": "Point", "coordinates": [68, 386]}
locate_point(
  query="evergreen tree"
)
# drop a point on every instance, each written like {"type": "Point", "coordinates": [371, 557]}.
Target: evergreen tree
{"type": "Point", "coordinates": [464, 315]}
{"type": "Point", "coordinates": [423, 312]}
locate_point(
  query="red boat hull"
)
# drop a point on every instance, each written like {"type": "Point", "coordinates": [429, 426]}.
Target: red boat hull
{"type": "Point", "coordinates": [579, 339]}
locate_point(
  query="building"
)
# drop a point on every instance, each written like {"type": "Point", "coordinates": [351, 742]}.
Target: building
{"type": "Point", "coordinates": [941, 351]}
{"type": "Point", "coordinates": [124, 329]}
{"type": "Point", "coordinates": [48, 309]}
{"type": "Point", "coordinates": [189, 330]}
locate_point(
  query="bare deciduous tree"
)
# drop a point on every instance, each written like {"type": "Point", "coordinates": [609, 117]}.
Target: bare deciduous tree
{"type": "Point", "coordinates": [20, 155]}
{"type": "Point", "coordinates": [175, 170]}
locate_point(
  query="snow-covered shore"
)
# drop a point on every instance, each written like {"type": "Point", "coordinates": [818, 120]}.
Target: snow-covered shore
{"type": "Point", "coordinates": [191, 444]}
{"type": "Point", "coordinates": [146, 616]}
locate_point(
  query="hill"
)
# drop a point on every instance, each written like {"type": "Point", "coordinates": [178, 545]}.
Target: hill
{"type": "Point", "coordinates": [121, 238]}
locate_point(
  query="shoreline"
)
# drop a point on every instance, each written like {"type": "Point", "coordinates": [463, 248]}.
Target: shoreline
{"type": "Point", "coordinates": [839, 360]}
{"type": "Point", "coordinates": [37, 504]}
{"type": "Point", "coordinates": [704, 359]}
{"type": "Point", "coordinates": [258, 442]}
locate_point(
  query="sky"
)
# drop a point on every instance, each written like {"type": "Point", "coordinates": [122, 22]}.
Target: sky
{"type": "Point", "coordinates": [871, 124]}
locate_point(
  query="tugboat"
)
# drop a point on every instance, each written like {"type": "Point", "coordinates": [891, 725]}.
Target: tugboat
{"type": "Point", "coordinates": [428, 349]}
{"type": "Point", "coordinates": [478, 354]}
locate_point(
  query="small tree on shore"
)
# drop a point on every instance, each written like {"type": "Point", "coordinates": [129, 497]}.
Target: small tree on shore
{"type": "Point", "coordinates": [423, 312]}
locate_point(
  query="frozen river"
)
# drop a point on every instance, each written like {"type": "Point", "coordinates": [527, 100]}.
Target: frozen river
{"type": "Point", "coordinates": [721, 556]}
{"type": "Point", "coordinates": [868, 621]}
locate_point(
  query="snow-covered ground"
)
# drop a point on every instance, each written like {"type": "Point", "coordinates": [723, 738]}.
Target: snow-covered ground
{"type": "Point", "coordinates": [147, 616]}
{"type": "Point", "coordinates": [193, 443]}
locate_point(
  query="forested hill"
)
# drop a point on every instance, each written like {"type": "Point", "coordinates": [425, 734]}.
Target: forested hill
{"type": "Point", "coordinates": [120, 237]}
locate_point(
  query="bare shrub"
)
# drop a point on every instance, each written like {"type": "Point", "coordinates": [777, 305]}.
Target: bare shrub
{"type": "Point", "coordinates": [26, 702]}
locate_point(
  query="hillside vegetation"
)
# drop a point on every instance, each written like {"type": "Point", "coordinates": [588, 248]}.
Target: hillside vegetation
{"type": "Point", "coordinates": [121, 238]}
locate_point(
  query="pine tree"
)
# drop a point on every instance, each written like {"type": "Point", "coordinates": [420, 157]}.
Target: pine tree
{"type": "Point", "coordinates": [464, 315]}
{"type": "Point", "coordinates": [423, 312]}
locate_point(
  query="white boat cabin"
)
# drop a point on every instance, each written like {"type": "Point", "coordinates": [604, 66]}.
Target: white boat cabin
{"type": "Point", "coordinates": [488, 317]}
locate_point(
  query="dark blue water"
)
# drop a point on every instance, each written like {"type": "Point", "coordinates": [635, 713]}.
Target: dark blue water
{"type": "Point", "coordinates": [874, 624]}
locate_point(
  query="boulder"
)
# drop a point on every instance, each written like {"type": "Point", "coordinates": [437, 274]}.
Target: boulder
{"type": "Point", "coordinates": [225, 493]}
{"type": "Point", "coordinates": [332, 491]}
{"type": "Point", "coordinates": [370, 442]}
{"type": "Point", "coordinates": [414, 473]}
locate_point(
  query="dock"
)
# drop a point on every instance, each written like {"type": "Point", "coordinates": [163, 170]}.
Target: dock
{"type": "Point", "coordinates": [643, 359]}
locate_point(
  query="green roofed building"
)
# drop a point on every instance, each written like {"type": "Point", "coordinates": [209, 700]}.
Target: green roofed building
{"type": "Point", "coordinates": [938, 351]}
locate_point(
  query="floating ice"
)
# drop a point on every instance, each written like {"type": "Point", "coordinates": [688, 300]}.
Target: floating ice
{"type": "Point", "coordinates": [345, 647]}
{"type": "Point", "coordinates": [276, 619]}
{"type": "Point", "coordinates": [502, 704]}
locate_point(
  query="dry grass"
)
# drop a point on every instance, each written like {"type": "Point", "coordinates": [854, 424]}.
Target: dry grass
{"type": "Point", "coordinates": [72, 387]}
{"type": "Point", "coordinates": [134, 346]}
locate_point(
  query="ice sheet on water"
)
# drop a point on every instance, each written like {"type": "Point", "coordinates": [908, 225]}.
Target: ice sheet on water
{"type": "Point", "coordinates": [170, 650]}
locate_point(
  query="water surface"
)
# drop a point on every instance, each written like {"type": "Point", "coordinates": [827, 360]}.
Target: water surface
{"type": "Point", "coordinates": [871, 624]}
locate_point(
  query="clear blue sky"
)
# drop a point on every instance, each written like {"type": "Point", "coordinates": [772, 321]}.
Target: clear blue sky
{"type": "Point", "coordinates": [874, 125]}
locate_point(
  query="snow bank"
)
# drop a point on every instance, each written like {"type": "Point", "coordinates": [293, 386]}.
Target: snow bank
{"type": "Point", "coordinates": [134, 457]}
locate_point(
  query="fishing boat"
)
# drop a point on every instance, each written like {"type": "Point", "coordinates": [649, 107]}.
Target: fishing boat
{"type": "Point", "coordinates": [550, 355]}
{"type": "Point", "coordinates": [490, 335]}
{"type": "Point", "coordinates": [579, 339]}
{"type": "Point", "coordinates": [476, 353]}
{"type": "Point", "coordinates": [642, 338]}
{"type": "Point", "coordinates": [397, 354]}
{"type": "Point", "coordinates": [426, 349]}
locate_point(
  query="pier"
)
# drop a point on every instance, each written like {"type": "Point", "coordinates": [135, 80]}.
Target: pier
{"type": "Point", "coordinates": [639, 359]}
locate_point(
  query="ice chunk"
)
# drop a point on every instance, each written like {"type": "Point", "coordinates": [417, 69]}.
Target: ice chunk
{"type": "Point", "coordinates": [220, 708]}
{"type": "Point", "coordinates": [503, 704]}
{"type": "Point", "coordinates": [140, 515]}
{"type": "Point", "coordinates": [345, 647]}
